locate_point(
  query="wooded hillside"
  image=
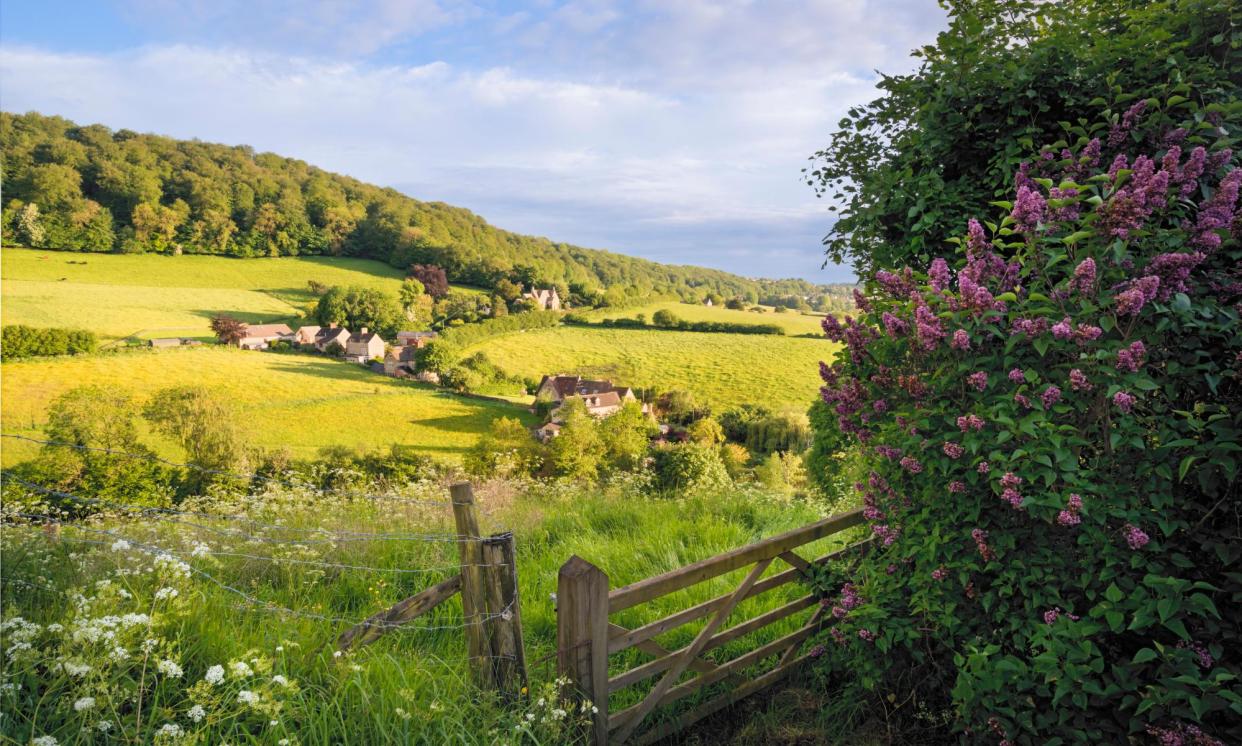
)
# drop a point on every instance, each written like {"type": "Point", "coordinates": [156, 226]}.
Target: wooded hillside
{"type": "Point", "coordinates": [90, 188]}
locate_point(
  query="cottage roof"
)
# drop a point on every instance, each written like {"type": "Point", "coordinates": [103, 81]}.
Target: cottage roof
{"type": "Point", "coordinates": [402, 354]}
{"type": "Point", "coordinates": [363, 338]}
{"type": "Point", "coordinates": [565, 386]}
{"type": "Point", "coordinates": [600, 401]}
{"type": "Point", "coordinates": [329, 333]}
{"type": "Point", "coordinates": [416, 335]}
{"type": "Point", "coordinates": [267, 330]}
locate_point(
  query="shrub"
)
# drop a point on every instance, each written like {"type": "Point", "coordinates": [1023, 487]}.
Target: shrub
{"type": "Point", "coordinates": [689, 467]}
{"type": "Point", "coordinates": [18, 341]}
{"type": "Point", "coordinates": [1053, 423]}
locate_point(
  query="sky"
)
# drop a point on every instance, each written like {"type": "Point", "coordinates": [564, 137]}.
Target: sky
{"type": "Point", "coordinates": [674, 130]}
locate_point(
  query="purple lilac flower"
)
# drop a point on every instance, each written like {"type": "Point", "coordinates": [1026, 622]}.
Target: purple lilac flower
{"type": "Point", "coordinates": [981, 543]}
{"type": "Point", "coordinates": [1139, 293]}
{"type": "Point", "coordinates": [953, 450]}
{"type": "Point", "coordinates": [1017, 376]}
{"type": "Point", "coordinates": [970, 422]}
{"type": "Point", "coordinates": [898, 286]}
{"type": "Point", "coordinates": [1124, 401]}
{"type": "Point", "coordinates": [866, 634]}
{"type": "Point", "coordinates": [1013, 497]}
{"type": "Point", "coordinates": [817, 651]}
{"type": "Point", "coordinates": [1131, 358]}
{"type": "Point", "coordinates": [1117, 134]}
{"type": "Point", "coordinates": [1063, 329]}
{"type": "Point", "coordinates": [894, 326]}
{"type": "Point", "coordinates": [1087, 333]}
{"type": "Point", "coordinates": [861, 302]}
{"type": "Point", "coordinates": [879, 405]}
{"type": "Point", "coordinates": [983, 467]}
{"type": "Point", "coordinates": [888, 451]}
{"type": "Point", "coordinates": [837, 635]}
{"type": "Point", "coordinates": [1078, 381]}
{"type": "Point", "coordinates": [1021, 399]}
{"type": "Point", "coordinates": [1028, 209]}
{"type": "Point", "coordinates": [957, 486]}
{"type": "Point", "coordinates": [1129, 206]}
{"type": "Point", "coordinates": [1217, 213]}
{"type": "Point", "coordinates": [1205, 658]}
{"type": "Point", "coordinates": [911, 464]}
{"type": "Point", "coordinates": [938, 274]}
{"type": "Point", "coordinates": [1189, 174]}
{"type": "Point", "coordinates": [1174, 270]}
{"type": "Point", "coordinates": [1051, 396]}
{"type": "Point", "coordinates": [1051, 615]}
{"type": "Point", "coordinates": [1182, 735]}
{"type": "Point", "coordinates": [1135, 536]}
{"type": "Point", "coordinates": [961, 340]}
{"type": "Point", "coordinates": [1066, 518]}
{"type": "Point", "coordinates": [978, 379]}
{"type": "Point", "coordinates": [940, 573]}
{"type": "Point", "coordinates": [1084, 276]}
{"type": "Point", "coordinates": [929, 328]}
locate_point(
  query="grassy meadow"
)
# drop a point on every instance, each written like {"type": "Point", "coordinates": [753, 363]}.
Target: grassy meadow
{"type": "Point", "coordinates": [411, 686]}
{"type": "Point", "coordinates": [297, 402]}
{"type": "Point", "coordinates": [723, 369]}
{"type": "Point", "coordinates": [155, 295]}
{"type": "Point", "coordinates": [793, 322]}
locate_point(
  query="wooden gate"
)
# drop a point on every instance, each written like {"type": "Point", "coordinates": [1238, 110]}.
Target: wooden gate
{"type": "Point", "coordinates": [586, 636]}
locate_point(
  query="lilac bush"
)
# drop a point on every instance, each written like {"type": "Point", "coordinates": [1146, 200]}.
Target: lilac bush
{"type": "Point", "coordinates": [1051, 420]}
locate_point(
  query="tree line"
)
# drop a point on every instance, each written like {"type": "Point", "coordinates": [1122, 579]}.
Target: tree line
{"type": "Point", "coordinates": [89, 188]}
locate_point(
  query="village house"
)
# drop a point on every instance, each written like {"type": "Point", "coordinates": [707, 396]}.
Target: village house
{"type": "Point", "coordinates": [258, 336]}
{"type": "Point", "coordinates": [601, 398]}
{"type": "Point", "coordinates": [544, 298]}
{"type": "Point", "coordinates": [547, 431]}
{"type": "Point", "coordinates": [363, 345]}
{"type": "Point", "coordinates": [417, 340]}
{"type": "Point", "coordinates": [400, 361]}
{"type": "Point", "coordinates": [330, 335]}
{"type": "Point", "coordinates": [305, 335]}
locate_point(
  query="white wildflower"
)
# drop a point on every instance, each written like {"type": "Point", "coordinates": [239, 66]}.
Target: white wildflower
{"type": "Point", "coordinates": [558, 713]}
{"type": "Point", "coordinates": [273, 723]}
{"type": "Point", "coordinates": [118, 653]}
{"type": "Point", "coordinates": [336, 654]}
{"type": "Point", "coordinates": [166, 594]}
{"type": "Point", "coordinates": [240, 669]}
{"type": "Point", "coordinates": [283, 742]}
{"type": "Point", "coordinates": [197, 713]}
{"type": "Point", "coordinates": [55, 627]}
{"type": "Point", "coordinates": [169, 730]}
{"type": "Point", "coordinates": [76, 669]}
{"type": "Point", "coordinates": [200, 549]}
{"type": "Point", "coordinates": [104, 726]}
{"type": "Point", "coordinates": [247, 697]}
{"type": "Point", "coordinates": [84, 703]}
{"type": "Point", "coordinates": [214, 675]}
{"type": "Point", "coordinates": [169, 668]}
{"type": "Point", "coordinates": [120, 545]}
{"type": "Point", "coordinates": [45, 741]}
{"type": "Point", "coordinates": [281, 680]}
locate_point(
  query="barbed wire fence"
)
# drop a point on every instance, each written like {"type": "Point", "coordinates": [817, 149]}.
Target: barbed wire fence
{"type": "Point", "coordinates": [483, 575]}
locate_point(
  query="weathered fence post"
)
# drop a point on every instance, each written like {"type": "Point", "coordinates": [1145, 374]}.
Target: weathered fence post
{"type": "Point", "coordinates": [503, 607]}
{"type": "Point", "coordinates": [582, 637]}
{"type": "Point", "coordinates": [473, 590]}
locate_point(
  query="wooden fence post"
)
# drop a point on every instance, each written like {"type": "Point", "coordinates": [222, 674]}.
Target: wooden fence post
{"type": "Point", "coordinates": [504, 610]}
{"type": "Point", "coordinates": [473, 590]}
{"type": "Point", "coordinates": [582, 637]}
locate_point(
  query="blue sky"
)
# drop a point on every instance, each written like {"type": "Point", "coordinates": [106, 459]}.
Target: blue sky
{"type": "Point", "coordinates": [669, 129]}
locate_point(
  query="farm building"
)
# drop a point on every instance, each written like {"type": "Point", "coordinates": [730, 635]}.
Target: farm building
{"type": "Point", "coordinates": [414, 339]}
{"type": "Point", "coordinates": [161, 342]}
{"type": "Point", "coordinates": [305, 335]}
{"type": "Point", "coordinates": [329, 335]}
{"type": "Point", "coordinates": [544, 298]}
{"type": "Point", "coordinates": [258, 336]}
{"type": "Point", "coordinates": [363, 345]}
{"type": "Point", "coordinates": [602, 398]}
{"type": "Point", "coordinates": [400, 360]}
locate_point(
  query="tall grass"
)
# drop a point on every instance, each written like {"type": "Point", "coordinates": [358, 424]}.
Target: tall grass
{"type": "Point", "coordinates": [411, 686]}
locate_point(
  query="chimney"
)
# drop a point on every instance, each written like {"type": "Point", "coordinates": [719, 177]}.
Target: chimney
{"type": "Point", "coordinates": [332, 325]}
{"type": "Point", "coordinates": [363, 332]}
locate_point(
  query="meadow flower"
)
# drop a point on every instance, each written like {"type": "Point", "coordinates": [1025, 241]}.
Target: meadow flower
{"type": "Point", "coordinates": [169, 668]}
{"type": "Point", "coordinates": [44, 741]}
{"type": "Point", "coordinates": [104, 726]}
{"type": "Point", "coordinates": [166, 594]}
{"type": "Point", "coordinates": [120, 545]}
{"type": "Point", "coordinates": [239, 669]}
{"type": "Point", "coordinates": [214, 675]}
{"type": "Point", "coordinates": [170, 731]}
{"type": "Point", "coordinates": [280, 680]}
{"type": "Point", "coordinates": [247, 697]}
{"type": "Point", "coordinates": [83, 703]}
{"type": "Point", "coordinates": [197, 713]}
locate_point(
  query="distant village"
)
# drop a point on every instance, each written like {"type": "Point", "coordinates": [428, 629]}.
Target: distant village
{"type": "Point", "coordinates": [601, 398]}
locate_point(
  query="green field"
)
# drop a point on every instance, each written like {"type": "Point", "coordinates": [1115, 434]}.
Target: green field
{"type": "Point", "coordinates": [723, 369]}
{"type": "Point", "coordinates": [298, 402]}
{"type": "Point", "coordinates": [792, 322]}
{"type": "Point", "coordinates": [154, 295]}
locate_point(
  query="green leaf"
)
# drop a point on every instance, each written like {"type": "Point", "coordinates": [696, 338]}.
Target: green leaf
{"type": "Point", "coordinates": [1113, 593]}
{"type": "Point", "coordinates": [1041, 344]}
{"type": "Point", "coordinates": [1077, 236]}
{"type": "Point", "coordinates": [1144, 655]}
{"type": "Point", "coordinates": [1185, 467]}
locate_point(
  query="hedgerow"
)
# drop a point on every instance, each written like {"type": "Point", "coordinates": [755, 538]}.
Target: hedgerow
{"type": "Point", "coordinates": [1051, 421]}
